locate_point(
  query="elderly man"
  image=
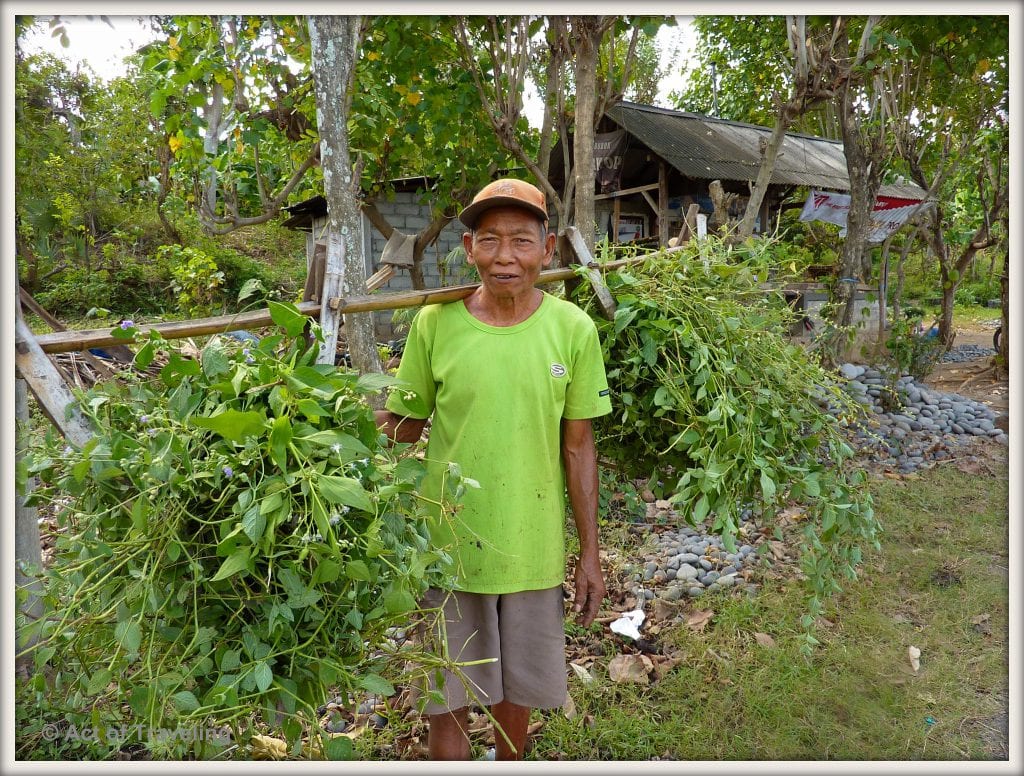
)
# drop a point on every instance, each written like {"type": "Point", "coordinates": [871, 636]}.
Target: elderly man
{"type": "Point", "coordinates": [511, 377]}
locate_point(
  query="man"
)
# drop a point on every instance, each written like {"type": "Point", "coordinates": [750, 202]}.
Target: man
{"type": "Point", "coordinates": [511, 377]}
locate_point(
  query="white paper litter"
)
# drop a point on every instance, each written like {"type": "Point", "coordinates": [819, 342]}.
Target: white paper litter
{"type": "Point", "coordinates": [629, 624]}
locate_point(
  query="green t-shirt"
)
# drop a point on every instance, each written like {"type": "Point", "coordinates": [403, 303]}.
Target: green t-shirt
{"type": "Point", "coordinates": [498, 395]}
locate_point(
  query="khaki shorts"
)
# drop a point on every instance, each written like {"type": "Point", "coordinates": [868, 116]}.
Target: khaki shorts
{"type": "Point", "coordinates": [524, 631]}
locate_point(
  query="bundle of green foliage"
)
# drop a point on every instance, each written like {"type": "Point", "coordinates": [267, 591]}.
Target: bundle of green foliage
{"type": "Point", "coordinates": [237, 537]}
{"type": "Point", "coordinates": [714, 405]}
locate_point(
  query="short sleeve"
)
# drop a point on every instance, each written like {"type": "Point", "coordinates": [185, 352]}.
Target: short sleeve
{"type": "Point", "coordinates": [587, 394]}
{"type": "Point", "coordinates": [415, 372]}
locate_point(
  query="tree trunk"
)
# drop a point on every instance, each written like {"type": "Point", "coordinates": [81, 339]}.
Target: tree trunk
{"type": "Point", "coordinates": [214, 115]}
{"type": "Point", "coordinates": [334, 43]}
{"type": "Point", "coordinates": [764, 175]}
{"type": "Point", "coordinates": [588, 34]}
{"type": "Point", "coordinates": [864, 167]}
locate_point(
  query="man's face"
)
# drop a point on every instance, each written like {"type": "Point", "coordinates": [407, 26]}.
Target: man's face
{"type": "Point", "coordinates": [509, 251]}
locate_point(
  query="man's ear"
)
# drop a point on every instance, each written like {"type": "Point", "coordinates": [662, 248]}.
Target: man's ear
{"type": "Point", "coordinates": [549, 247]}
{"type": "Point", "coordinates": [467, 246]}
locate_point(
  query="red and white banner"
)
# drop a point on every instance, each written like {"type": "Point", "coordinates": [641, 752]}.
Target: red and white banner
{"type": "Point", "coordinates": [888, 214]}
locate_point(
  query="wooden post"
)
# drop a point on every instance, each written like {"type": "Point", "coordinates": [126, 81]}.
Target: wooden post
{"type": "Point", "coordinates": [331, 318]}
{"type": "Point", "coordinates": [27, 548]}
{"type": "Point", "coordinates": [662, 205]}
{"type": "Point", "coordinates": [605, 300]}
{"type": "Point", "coordinates": [49, 388]}
{"type": "Point", "coordinates": [616, 212]}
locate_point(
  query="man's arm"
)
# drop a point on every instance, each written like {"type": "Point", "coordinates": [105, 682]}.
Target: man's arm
{"type": "Point", "coordinates": [399, 428]}
{"type": "Point", "coordinates": [580, 458]}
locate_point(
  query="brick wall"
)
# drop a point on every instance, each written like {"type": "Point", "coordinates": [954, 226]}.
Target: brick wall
{"type": "Point", "coordinates": [407, 216]}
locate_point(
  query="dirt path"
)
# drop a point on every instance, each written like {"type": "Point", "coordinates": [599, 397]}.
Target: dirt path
{"type": "Point", "coordinates": [976, 379]}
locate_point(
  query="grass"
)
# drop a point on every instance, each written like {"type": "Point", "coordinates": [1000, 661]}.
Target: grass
{"type": "Point", "coordinates": [943, 563]}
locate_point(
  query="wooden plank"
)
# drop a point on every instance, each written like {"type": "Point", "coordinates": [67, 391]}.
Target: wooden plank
{"type": "Point", "coordinates": [689, 227]}
{"type": "Point", "coordinates": [380, 277]}
{"type": "Point", "coordinates": [624, 192]}
{"type": "Point", "coordinates": [651, 202]}
{"type": "Point", "coordinates": [616, 216]}
{"type": "Point", "coordinates": [662, 204]}
{"type": "Point", "coordinates": [52, 393]}
{"type": "Point", "coordinates": [334, 282]}
{"type": "Point", "coordinates": [97, 363]}
{"type": "Point", "coordinates": [605, 300]}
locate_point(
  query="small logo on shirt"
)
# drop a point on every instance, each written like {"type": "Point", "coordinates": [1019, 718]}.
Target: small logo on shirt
{"type": "Point", "coordinates": [557, 370]}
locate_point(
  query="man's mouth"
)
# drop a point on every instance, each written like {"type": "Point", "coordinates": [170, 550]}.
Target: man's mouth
{"type": "Point", "coordinates": [504, 277]}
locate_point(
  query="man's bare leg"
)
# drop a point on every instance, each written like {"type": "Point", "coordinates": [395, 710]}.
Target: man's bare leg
{"type": "Point", "coordinates": [448, 737]}
{"type": "Point", "coordinates": [514, 720]}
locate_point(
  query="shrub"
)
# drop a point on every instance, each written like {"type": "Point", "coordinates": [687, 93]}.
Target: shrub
{"type": "Point", "coordinates": [713, 404]}
{"type": "Point", "coordinates": [236, 540]}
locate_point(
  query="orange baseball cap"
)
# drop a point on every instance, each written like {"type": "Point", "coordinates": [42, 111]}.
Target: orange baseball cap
{"type": "Point", "coordinates": [506, 192]}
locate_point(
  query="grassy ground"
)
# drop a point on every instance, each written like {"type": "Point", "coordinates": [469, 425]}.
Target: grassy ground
{"type": "Point", "coordinates": [939, 583]}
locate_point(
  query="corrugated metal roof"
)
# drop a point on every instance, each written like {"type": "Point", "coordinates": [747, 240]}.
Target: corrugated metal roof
{"type": "Point", "coordinates": [711, 148]}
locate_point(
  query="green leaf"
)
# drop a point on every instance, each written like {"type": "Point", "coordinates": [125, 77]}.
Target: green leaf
{"type": "Point", "coordinates": [185, 701]}
{"type": "Point", "coordinates": [215, 361]}
{"type": "Point", "coordinates": [233, 425]}
{"type": "Point", "coordinates": [263, 675]}
{"type": "Point", "coordinates": [145, 355]}
{"type": "Point", "coordinates": [254, 523]}
{"type": "Point", "coordinates": [348, 446]}
{"type": "Point", "coordinates": [344, 490]}
{"type": "Point", "coordinates": [326, 572]}
{"type": "Point", "coordinates": [98, 682]}
{"type": "Point", "coordinates": [338, 748]}
{"type": "Point", "coordinates": [230, 660]}
{"type": "Point", "coordinates": [312, 409]}
{"type": "Point", "coordinates": [767, 486]}
{"type": "Point", "coordinates": [157, 102]}
{"type": "Point", "coordinates": [288, 317]}
{"type": "Point", "coordinates": [371, 382]}
{"type": "Point", "coordinates": [377, 685]}
{"type": "Point", "coordinates": [234, 563]}
{"type": "Point", "coordinates": [177, 368]}
{"type": "Point", "coordinates": [700, 510]}
{"type": "Point", "coordinates": [280, 436]}
{"type": "Point", "coordinates": [128, 635]}
{"type": "Point", "coordinates": [357, 569]}
{"type": "Point", "coordinates": [398, 600]}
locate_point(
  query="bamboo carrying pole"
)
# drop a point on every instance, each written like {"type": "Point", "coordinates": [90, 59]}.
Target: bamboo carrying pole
{"type": "Point", "coordinates": [66, 341]}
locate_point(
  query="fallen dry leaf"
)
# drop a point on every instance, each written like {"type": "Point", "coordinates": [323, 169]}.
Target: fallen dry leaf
{"type": "Point", "coordinates": [764, 639]}
{"type": "Point", "coordinates": [982, 625]}
{"type": "Point", "coordinates": [569, 707]}
{"type": "Point", "coordinates": [623, 669]}
{"type": "Point", "coordinates": [585, 676]}
{"type": "Point", "coordinates": [699, 619]}
{"type": "Point", "coordinates": [664, 610]}
{"type": "Point", "coordinates": [915, 657]}
{"type": "Point", "coordinates": [662, 665]}
{"type": "Point", "coordinates": [268, 748]}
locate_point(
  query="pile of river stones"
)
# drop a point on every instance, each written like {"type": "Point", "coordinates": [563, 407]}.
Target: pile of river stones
{"type": "Point", "coordinates": [920, 429]}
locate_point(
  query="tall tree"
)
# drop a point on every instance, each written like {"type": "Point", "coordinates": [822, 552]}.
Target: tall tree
{"type": "Point", "coordinates": [334, 43]}
{"type": "Point", "coordinates": [816, 75]}
{"type": "Point", "coordinates": [947, 101]}
{"type": "Point", "coordinates": [495, 50]}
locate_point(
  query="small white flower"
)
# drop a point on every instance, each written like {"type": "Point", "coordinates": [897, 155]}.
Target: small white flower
{"type": "Point", "coordinates": [336, 448]}
{"type": "Point", "coordinates": [305, 539]}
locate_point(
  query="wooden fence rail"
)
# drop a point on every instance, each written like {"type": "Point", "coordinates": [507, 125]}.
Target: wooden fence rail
{"type": "Point", "coordinates": [68, 341]}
